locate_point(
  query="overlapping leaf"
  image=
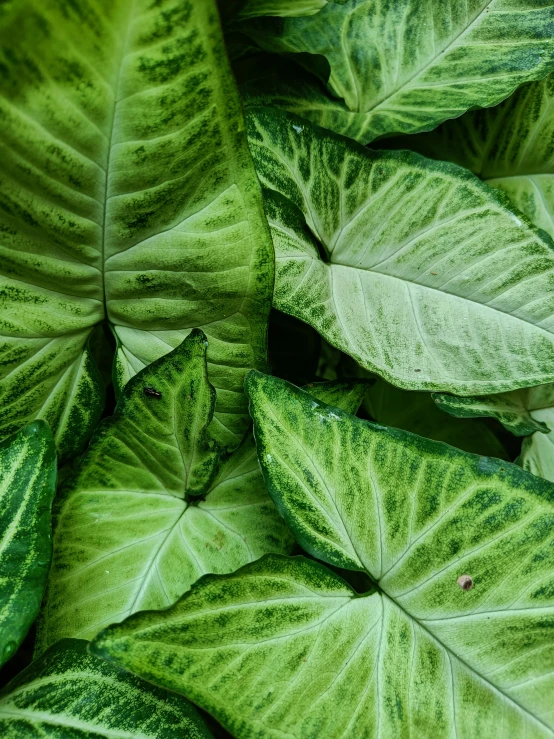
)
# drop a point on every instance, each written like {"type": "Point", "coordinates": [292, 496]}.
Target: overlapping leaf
{"type": "Point", "coordinates": [127, 194]}
{"type": "Point", "coordinates": [511, 147]}
{"type": "Point", "coordinates": [282, 8]}
{"type": "Point", "coordinates": [406, 66]}
{"type": "Point", "coordinates": [414, 268]}
{"type": "Point", "coordinates": [131, 530]}
{"type": "Point", "coordinates": [537, 451]}
{"type": "Point", "coordinates": [285, 646]}
{"type": "Point", "coordinates": [416, 412]}
{"type": "Point", "coordinates": [69, 693]}
{"type": "Point", "coordinates": [27, 485]}
{"type": "Point", "coordinates": [519, 411]}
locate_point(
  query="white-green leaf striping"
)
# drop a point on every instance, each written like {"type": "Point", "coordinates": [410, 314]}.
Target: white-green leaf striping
{"type": "Point", "coordinates": [428, 277]}
{"type": "Point", "coordinates": [286, 647]}
{"type": "Point", "coordinates": [510, 147]}
{"type": "Point", "coordinates": [405, 66]}
{"type": "Point", "coordinates": [520, 411]}
{"type": "Point", "coordinates": [27, 485]}
{"type": "Point", "coordinates": [131, 531]}
{"type": "Point", "coordinates": [281, 8]}
{"type": "Point", "coordinates": [68, 693]}
{"type": "Point", "coordinates": [127, 194]}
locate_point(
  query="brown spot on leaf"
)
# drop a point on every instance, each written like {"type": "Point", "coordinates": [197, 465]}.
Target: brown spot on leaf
{"type": "Point", "coordinates": [465, 582]}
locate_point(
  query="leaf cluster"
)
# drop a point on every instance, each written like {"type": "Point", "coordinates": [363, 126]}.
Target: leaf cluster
{"type": "Point", "coordinates": [276, 369]}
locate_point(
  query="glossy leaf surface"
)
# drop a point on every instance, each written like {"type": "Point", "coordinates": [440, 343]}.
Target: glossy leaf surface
{"type": "Point", "coordinates": [27, 486]}
{"type": "Point", "coordinates": [511, 147]}
{"type": "Point", "coordinates": [69, 693]}
{"type": "Point", "coordinates": [406, 66]}
{"type": "Point", "coordinates": [127, 194]}
{"type": "Point", "coordinates": [414, 268]}
{"type": "Point", "coordinates": [420, 654]}
{"type": "Point", "coordinates": [131, 530]}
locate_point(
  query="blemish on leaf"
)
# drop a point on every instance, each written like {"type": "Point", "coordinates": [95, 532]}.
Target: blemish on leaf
{"type": "Point", "coordinates": [465, 582]}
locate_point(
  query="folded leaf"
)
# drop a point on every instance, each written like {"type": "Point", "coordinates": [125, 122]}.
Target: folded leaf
{"type": "Point", "coordinates": [131, 531]}
{"type": "Point", "coordinates": [510, 147]}
{"type": "Point", "coordinates": [537, 451]}
{"type": "Point", "coordinates": [457, 631]}
{"type": "Point", "coordinates": [406, 66]}
{"type": "Point", "coordinates": [416, 412]}
{"type": "Point", "coordinates": [69, 693]}
{"type": "Point", "coordinates": [127, 194]}
{"type": "Point", "coordinates": [414, 268]}
{"type": "Point", "coordinates": [519, 411]}
{"type": "Point", "coordinates": [27, 485]}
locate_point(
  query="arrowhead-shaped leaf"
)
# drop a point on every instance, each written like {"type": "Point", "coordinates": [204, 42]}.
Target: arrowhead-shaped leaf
{"type": "Point", "coordinates": [406, 66]}
{"type": "Point", "coordinates": [427, 277]}
{"type": "Point", "coordinates": [127, 194]}
{"type": "Point", "coordinates": [69, 693]}
{"type": "Point", "coordinates": [509, 146]}
{"type": "Point", "coordinates": [27, 485]}
{"type": "Point", "coordinates": [131, 531]}
{"type": "Point", "coordinates": [457, 631]}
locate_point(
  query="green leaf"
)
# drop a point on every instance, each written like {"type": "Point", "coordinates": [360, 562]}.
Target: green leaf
{"type": "Point", "coordinates": [347, 396]}
{"type": "Point", "coordinates": [283, 8]}
{"type": "Point", "coordinates": [519, 411]}
{"type": "Point", "coordinates": [537, 451]}
{"type": "Point", "coordinates": [69, 693]}
{"type": "Point", "coordinates": [509, 146]}
{"type": "Point", "coordinates": [427, 277]}
{"type": "Point", "coordinates": [416, 412]}
{"type": "Point", "coordinates": [130, 529]}
{"type": "Point", "coordinates": [128, 195]}
{"type": "Point", "coordinates": [416, 654]}
{"type": "Point", "coordinates": [406, 66]}
{"type": "Point", "coordinates": [27, 485]}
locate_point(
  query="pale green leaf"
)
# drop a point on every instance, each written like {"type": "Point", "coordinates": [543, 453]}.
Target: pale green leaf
{"type": "Point", "coordinates": [286, 648]}
{"type": "Point", "coordinates": [519, 411]}
{"type": "Point", "coordinates": [127, 193]}
{"type": "Point", "coordinates": [537, 451]}
{"type": "Point", "coordinates": [511, 147]}
{"type": "Point", "coordinates": [416, 412]}
{"type": "Point", "coordinates": [427, 278]}
{"type": "Point", "coordinates": [68, 693]}
{"type": "Point", "coordinates": [347, 396]}
{"type": "Point", "coordinates": [131, 532]}
{"type": "Point", "coordinates": [282, 8]}
{"type": "Point", "coordinates": [27, 485]}
{"type": "Point", "coordinates": [406, 66]}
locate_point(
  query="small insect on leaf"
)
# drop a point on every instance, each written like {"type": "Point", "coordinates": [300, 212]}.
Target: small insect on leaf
{"type": "Point", "coordinates": [152, 392]}
{"type": "Point", "coordinates": [465, 582]}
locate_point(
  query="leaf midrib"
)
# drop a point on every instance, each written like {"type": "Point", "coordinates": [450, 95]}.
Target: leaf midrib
{"type": "Point", "coordinates": [460, 659]}
{"type": "Point", "coordinates": [450, 43]}
{"type": "Point", "coordinates": [124, 50]}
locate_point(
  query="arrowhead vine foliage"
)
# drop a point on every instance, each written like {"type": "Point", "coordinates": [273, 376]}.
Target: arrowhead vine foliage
{"type": "Point", "coordinates": [127, 196]}
{"type": "Point", "coordinates": [329, 520]}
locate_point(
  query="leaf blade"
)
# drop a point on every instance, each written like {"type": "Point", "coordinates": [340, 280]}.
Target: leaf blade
{"type": "Point", "coordinates": [382, 284]}
{"type": "Point", "coordinates": [42, 699]}
{"type": "Point", "coordinates": [408, 67]}
{"type": "Point", "coordinates": [28, 482]}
